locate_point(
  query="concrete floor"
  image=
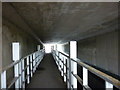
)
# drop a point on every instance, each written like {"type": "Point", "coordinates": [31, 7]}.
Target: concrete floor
{"type": "Point", "coordinates": [47, 75]}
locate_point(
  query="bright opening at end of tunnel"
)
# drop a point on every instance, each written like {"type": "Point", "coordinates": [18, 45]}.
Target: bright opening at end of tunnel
{"type": "Point", "coordinates": [48, 48]}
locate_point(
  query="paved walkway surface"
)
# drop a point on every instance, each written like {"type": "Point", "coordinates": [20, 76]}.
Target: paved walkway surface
{"type": "Point", "coordinates": [47, 75]}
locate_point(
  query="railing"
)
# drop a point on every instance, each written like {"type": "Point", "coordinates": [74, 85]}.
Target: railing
{"type": "Point", "coordinates": [23, 70]}
{"type": "Point", "coordinates": [62, 60]}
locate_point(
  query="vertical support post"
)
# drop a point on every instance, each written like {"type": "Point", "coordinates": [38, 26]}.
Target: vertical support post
{"type": "Point", "coordinates": [3, 80]}
{"type": "Point", "coordinates": [28, 72]}
{"type": "Point", "coordinates": [16, 53]}
{"type": "Point", "coordinates": [55, 56]}
{"type": "Point", "coordinates": [23, 74]}
{"type": "Point", "coordinates": [20, 72]}
{"type": "Point", "coordinates": [31, 66]}
{"type": "Point", "coordinates": [63, 66]}
{"type": "Point", "coordinates": [60, 64]}
{"type": "Point", "coordinates": [35, 60]}
{"type": "Point", "coordinates": [85, 77]}
{"type": "Point", "coordinates": [64, 61]}
{"type": "Point", "coordinates": [38, 47]}
{"type": "Point", "coordinates": [73, 54]}
{"type": "Point", "coordinates": [1, 36]}
{"type": "Point", "coordinates": [62, 74]}
{"type": "Point", "coordinates": [68, 75]}
{"type": "Point", "coordinates": [16, 73]}
{"type": "Point", "coordinates": [38, 58]}
{"type": "Point", "coordinates": [58, 60]}
{"type": "Point", "coordinates": [108, 86]}
{"type": "Point", "coordinates": [34, 63]}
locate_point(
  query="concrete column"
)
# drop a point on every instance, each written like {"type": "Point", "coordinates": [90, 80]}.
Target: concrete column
{"type": "Point", "coordinates": [73, 54]}
{"type": "Point", "coordinates": [16, 57]}
{"type": "Point", "coordinates": [38, 47]}
{"type": "Point", "coordinates": [0, 38]}
{"type": "Point", "coordinates": [56, 47]}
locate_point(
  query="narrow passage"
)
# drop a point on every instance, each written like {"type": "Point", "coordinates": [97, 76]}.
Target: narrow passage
{"type": "Point", "coordinates": [47, 75]}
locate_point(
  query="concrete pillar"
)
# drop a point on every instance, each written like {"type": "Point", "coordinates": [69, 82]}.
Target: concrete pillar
{"type": "Point", "coordinates": [0, 35]}
{"type": "Point", "coordinates": [38, 47]}
{"type": "Point", "coordinates": [73, 54]}
{"type": "Point", "coordinates": [16, 57]}
{"type": "Point", "coordinates": [0, 38]}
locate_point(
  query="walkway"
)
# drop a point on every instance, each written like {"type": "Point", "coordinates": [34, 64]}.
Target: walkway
{"type": "Point", "coordinates": [47, 75]}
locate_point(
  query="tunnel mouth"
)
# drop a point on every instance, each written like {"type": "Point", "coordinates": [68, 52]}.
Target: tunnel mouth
{"type": "Point", "coordinates": [48, 48]}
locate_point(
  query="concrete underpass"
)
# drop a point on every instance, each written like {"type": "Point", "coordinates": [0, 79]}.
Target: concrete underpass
{"type": "Point", "coordinates": [67, 45]}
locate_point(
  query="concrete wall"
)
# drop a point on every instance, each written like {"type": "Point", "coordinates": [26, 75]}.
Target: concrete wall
{"type": "Point", "coordinates": [101, 51]}
{"type": "Point", "coordinates": [119, 37]}
{"type": "Point", "coordinates": [0, 37]}
{"type": "Point", "coordinates": [11, 34]}
{"type": "Point", "coordinates": [66, 48]}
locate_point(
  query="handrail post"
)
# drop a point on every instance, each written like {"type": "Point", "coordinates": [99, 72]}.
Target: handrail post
{"type": "Point", "coordinates": [65, 69]}
{"type": "Point", "coordinates": [85, 77]}
{"type": "Point", "coordinates": [3, 80]}
{"type": "Point", "coordinates": [35, 60]}
{"type": "Point", "coordinates": [34, 63]}
{"type": "Point", "coordinates": [62, 66]}
{"type": "Point", "coordinates": [69, 66]}
{"type": "Point", "coordinates": [31, 66]}
{"type": "Point", "coordinates": [58, 61]}
{"type": "Point", "coordinates": [28, 72]}
{"type": "Point", "coordinates": [23, 74]}
{"type": "Point", "coordinates": [38, 59]}
{"type": "Point", "coordinates": [16, 74]}
{"type": "Point", "coordinates": [108, 86]}
{"type": "Point", "coordinates": [56, 58]}
{"type": "Point", "coordinates": [20, 72]}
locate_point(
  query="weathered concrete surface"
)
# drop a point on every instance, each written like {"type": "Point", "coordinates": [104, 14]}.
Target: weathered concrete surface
{"type": "Point", "coordinates": [62, 22]}
{"type": "Point", "coordinates": [0, 35]}
{"type": "Point", "coordinates": [0, 38]}
{"type": "Point", "coordinates": [101, 51]}
{"type": "Point", "coordinates": [57, 21]}
{"type": "Point", "coordinates": [119, 38]}
{"type": "Point", "coordinates": [66, 47]}
{"type": "Point", "coordinates": [10, 34]}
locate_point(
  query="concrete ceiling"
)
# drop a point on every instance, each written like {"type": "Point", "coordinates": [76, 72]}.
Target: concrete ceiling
{"type": "Point", "coordinates": [62, 21]}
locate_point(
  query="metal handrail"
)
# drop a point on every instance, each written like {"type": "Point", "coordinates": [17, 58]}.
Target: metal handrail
{"type": "Point", "coordinates": [14, 63]}
{"type": "Point", "coordinates": [95, 71]}
{"type": "Point", "coordinates": [37, 60]}
{"type": "Point", "coordinates": [100, 74]}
